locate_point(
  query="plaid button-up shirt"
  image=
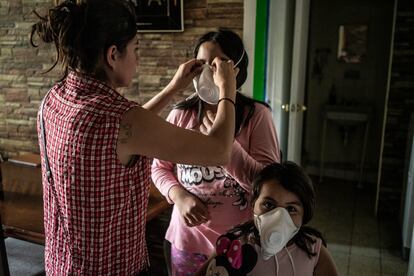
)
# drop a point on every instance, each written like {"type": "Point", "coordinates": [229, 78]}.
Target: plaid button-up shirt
{"type": "Point", "coordinates": [95, 225]}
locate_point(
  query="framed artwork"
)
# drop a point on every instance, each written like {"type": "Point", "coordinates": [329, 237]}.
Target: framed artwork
{"type": "Point", "coordinates": [352, 43]}
{"type": "Point", "coordinates": [159, 15]}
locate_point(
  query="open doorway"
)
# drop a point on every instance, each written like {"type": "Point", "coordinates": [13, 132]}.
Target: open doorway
{"type": "Point", "coordinates": [330, 58]}
{"type": "Point", "coordinates": [343, 70]}
{"type": "Point", "coordinates": [346, 82]}
{"type": "Point", "coordinates": [346, 68]}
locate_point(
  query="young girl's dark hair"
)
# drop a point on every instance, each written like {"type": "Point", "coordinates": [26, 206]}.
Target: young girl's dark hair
{"type": "Point", "coordinates": [232, 46]}
{"type": "Point", "coordinates": [82, 32]}
{"type": "Point", "coordinates": [294, 179]}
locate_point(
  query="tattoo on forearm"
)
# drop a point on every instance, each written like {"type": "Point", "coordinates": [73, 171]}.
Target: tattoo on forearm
{"type": "Point", "coordinates": [125, 133]}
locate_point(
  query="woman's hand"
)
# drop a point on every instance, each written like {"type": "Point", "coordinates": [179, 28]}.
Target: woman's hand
{"type": "Point", "coordinates": [185, 74]}
{"type": "Point", "coordinates": [182, 78]}
{"type": "Point", "coordinates": [224, 73]}
{"type": "Point", "coordinates": [207, 123]}
{"type": "Point", "coordinates": [192, 210]}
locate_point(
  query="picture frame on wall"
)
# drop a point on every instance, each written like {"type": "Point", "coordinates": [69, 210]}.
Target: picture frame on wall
{"type": "Point", "coordinates": [159, 15]}
{"type": "Point", "coordinates": [352, 43]}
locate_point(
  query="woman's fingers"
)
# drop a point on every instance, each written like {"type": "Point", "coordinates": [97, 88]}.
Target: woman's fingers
{"type": "Point", "coordinates": [207, 122]}
{"type": "Point", "coordinates": [224, 72]}
{"type": "Point", "coordinates": [188, 221]}
{"type": "Point", "coordinates": [202, 211]}
{"type": "Point", "coordinates": [193, 210]}
{"type": "Point", "coordinates": [218, 62]}
{"type": "Point", "coordinates": [203, 129]}
{"type": "Point", "coordinates": [185, 73]}
{"type": "Point", "coordinates": [198, 215]}
{"type": "Point", "coordinates": [211, 116]}
{"type": "Point", "coordinates": [194, 220]}
{"type": "Point", "coordinates": [193, 67]}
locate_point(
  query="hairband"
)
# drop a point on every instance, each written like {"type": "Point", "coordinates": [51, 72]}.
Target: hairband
{"type": "Point", "coordinates": [240, 59]}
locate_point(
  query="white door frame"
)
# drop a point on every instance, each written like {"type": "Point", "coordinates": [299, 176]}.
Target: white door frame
{"type": "Point", "coordinates": [277, 68]}
{"type": "Point", "coordinates": [249, 38]}
{"type": "Point", "coordinates": [298, 81]}
{"type": "Point", "coordinates": [384, 120]}
{"type": "Point", "coordinates": [280, 42]}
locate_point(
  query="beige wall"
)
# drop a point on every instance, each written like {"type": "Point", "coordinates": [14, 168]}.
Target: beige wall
{"type": "Point", "coordinates": [23, 85]}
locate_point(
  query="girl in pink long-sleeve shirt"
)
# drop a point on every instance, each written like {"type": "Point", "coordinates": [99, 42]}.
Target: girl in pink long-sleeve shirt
{"type": "Point", "coordinates": [210, 200]}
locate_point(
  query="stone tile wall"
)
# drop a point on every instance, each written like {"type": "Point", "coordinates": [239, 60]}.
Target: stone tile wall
{"type": "Point", "coordinates": [23, 83]}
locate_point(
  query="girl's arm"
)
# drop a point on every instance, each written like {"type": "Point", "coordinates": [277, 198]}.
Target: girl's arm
{"type": "Point", "coordinates": [192, 210]}
{"type": "Point", "coordinates": [163, 173]}
{"type": "Point", "coordinates": [185, 73]}
{"type": "Point", "coordinates": [264, 149]}
{"type": "Point", "coordinates": [164, 178]}
{"type": "Point", "coordinates": [143, 132]}
{"type": "Point", "coordinates": [326, 265]}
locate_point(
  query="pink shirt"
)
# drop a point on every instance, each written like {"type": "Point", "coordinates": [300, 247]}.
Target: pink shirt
{"type": "Point", "coordinates": [225, 190]}
{"type": "Point", "coordinates": [304, 266]}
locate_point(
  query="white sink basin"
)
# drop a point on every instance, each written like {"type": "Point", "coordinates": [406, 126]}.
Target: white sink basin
{"type": "Point", "coordinates": [347, 113]}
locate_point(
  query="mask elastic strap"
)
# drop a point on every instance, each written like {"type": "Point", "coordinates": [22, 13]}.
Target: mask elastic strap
{"type": "Point", "coordinates": [240, 59]}
{"type": "Point", "coordinates": [277, 266]}
{"type": "Point", "coordinates": [191, 96]}
{"type": "Point", "coordinates": [291, 261]}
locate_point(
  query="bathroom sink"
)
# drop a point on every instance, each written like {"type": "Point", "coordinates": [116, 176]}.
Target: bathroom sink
{"type": "Point", "coordinates": [357, 113]}
{"type": "Point", "coordinates": [347, 117]}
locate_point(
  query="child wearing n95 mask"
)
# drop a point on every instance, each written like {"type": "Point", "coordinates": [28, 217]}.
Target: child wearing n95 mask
{"type": "Point", "coordinates": [277, 240]}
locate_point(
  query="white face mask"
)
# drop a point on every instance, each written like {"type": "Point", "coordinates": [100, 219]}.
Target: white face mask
{"type": "Point", "coordinates": [205, 87]}
{"type": "Point", "coordinates": [204, 84]}
{"type": "Point", "coordinates": [276, 228]}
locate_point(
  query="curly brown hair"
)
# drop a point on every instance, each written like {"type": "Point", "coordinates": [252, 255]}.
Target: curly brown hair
{"type": "Point", "coordinates": [82, 32]}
